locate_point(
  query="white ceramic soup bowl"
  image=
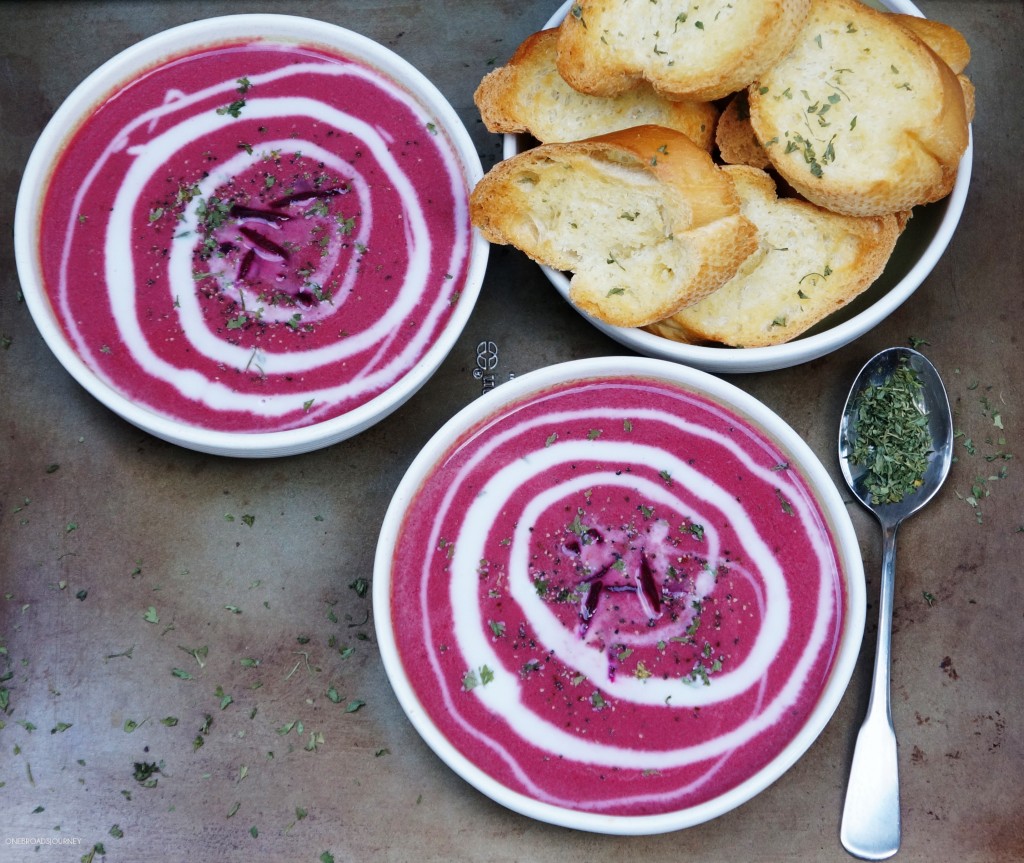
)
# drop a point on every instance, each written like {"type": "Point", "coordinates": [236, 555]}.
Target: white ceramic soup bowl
{"type": "Point", "coordinates": [918, 251]}
{"type": "Point", "coordinates": [249, 235]}
{"type": "Point", "coordinates": [585, 706]}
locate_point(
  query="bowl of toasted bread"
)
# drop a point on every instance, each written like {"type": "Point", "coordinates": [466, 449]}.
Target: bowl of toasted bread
{"type": "Point", "coordinates": [740, 189]}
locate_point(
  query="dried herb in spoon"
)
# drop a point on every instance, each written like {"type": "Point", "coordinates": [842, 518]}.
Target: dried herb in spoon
{"type": "Point", "coordinates": [891, 438]}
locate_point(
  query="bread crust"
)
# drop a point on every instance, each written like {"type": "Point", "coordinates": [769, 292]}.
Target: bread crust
{"type": "Point", "coordinates": [950, 44]}
{"type": "Point", "coordinates": [643, 218]}
{"type": "Point", "coordinates": [861, 117]}
{"type": "Point", "coordinates": [528, 95]}
{"type": "Point", "coordinates": [810, 262]}
{"type": "Point", "coordinates": [946, 41]}
{"type": "Point", "coordinates": [734, 135]}
{"type": "Point", "coordinates": [706, 52]}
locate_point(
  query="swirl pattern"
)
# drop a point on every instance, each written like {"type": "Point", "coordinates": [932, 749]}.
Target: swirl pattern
{"type": "Point", "coordinates": [616, 596]}
{"type": "Point", "coordinates": [256, 237]}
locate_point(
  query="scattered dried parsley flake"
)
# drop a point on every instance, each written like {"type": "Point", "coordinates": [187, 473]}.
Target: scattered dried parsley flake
{"type": "Point", "coordinates": [90, 855]}
{"type": "Point", "coordinates": [223, 697]}
{"type": "Point", "coordinates": [988, 445]}
{"type": "Point", "coordinates": [145, 772]}
{"type": "Point", "coordinates": [198, 653]}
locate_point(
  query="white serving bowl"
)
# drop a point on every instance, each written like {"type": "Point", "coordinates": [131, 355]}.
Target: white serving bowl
{"type": "Point", "coordinates": [444, 466]}
{"type": "Point", "coordinates": [429, 110]}
{"type": "Point", "coordinates": [917, 252]}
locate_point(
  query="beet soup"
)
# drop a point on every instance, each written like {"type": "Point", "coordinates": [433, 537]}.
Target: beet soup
{"type": "Point", "coordinates": [617, 596]}
{"type": "Point", "coordinates": [255, 236]}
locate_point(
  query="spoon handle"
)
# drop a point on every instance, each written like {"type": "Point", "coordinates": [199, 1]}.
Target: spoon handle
{"type": "Point", "coordinates": [871, 814]}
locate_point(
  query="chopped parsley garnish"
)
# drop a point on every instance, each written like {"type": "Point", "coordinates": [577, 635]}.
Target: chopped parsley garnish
{"type": "Point", "coordinates": [473, 678]}
{"type": "Point", "coordinates": [234, 109]}
{"type": "Point", "coordinates": [145, 772]}
{"type": "Point", "coordinates": [696, 530]}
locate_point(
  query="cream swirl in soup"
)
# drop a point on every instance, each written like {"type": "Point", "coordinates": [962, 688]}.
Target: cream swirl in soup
{"type": "Point", "coordinates": [255, 237]}
{"type": "Point", "coordinates": [617, 596]}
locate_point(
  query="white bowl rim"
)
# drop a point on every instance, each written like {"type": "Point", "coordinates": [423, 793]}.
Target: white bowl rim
{"type": "Point", "coordinates": [829, 499]}
{"type": "Point", "coordinates": [121, 68]}
{"type": "Point", "coordinates": [803, 348]}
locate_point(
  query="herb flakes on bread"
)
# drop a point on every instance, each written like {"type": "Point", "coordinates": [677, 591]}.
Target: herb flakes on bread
{"type": "Point", "coordinates": [643, 218]}
{"type": "Point", "coordinates": [734, 135]}
{"type": "Point", "coordinates": [702, 51]}
{"type": "Point", "coordinates": [528, 95]}
{"type": "Point", "coordinates": [810, 262]}
{"type": "Point", "coordinates": [861, 116]}
{"type": "Point", "coordinates": [949, 44]}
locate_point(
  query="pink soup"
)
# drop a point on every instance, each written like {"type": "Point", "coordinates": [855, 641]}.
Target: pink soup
{"type": "Point", "coordinates": [617, 596]}
{"type": "Point", "coordinates": [255, 237]}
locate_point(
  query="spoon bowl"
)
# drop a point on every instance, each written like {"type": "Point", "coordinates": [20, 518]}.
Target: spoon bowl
{"type": "Point", "coordinates": [933, 403]}
{"type": "Point", "coordinates": [871, 813]}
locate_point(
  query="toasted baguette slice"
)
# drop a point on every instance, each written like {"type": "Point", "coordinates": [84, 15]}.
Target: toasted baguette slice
{"type": "Point", "coordinates": [699, 51]}
{"type": "Point", "coordinates": [527, 95]}
{"type": "Point", "coordinates": [861, 116]}
{"type": "Point", "coordinates": [643, 218]}
{"type": "Point", "coordinates": [809, 263]}
{"type": "Point", "coordinates": [734, 134]}
{"type": "Point", "coordinates": [737, 143]}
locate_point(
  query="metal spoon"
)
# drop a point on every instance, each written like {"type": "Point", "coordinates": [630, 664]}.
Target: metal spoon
{"type": "Point", "coordinates": [871, 813]}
